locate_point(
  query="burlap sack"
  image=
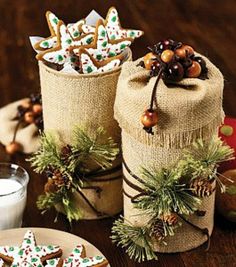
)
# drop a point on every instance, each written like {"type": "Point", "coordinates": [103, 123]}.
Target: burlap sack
{"type": "Point", "coordinates": [87, 100]}
{"type": "Point", "coordinates": [188, 110]}
{"type": "Point", "coordinates": [27, 135]}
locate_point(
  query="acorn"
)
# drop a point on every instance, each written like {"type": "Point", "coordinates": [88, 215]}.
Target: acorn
{"type": "Point", "coordinates": [13, 148]}
{"type": "Point", "coordinates": [37, 108]}
{"type": "Point", "coordinates": [167, 55]}
{"type": "Point", "coordinates": [194, 71]}
{"type": "Point", "coordinates": [148, 60]}
{"type": "Point", "coordinates": [149, 118]}
{"type": "Point", "coordinates": [29, 117]}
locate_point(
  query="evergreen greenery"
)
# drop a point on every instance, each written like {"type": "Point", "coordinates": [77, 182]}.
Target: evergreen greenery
{"type": "Point", "coordinates": [168, 191]}
{"type": "Point", "coordinates": [85, 153]}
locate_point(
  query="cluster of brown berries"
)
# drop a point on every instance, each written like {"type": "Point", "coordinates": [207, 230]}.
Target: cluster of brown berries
{"type": "Point", "coordinates": [172, 61]}
{"type": "Point", "coordinates": [27, 113]}
{"type": "Point", "coordinates": [176, 60]}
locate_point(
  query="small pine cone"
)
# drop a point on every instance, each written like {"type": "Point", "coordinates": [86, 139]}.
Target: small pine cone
{"type": "Point", "coordinates": [50, 186]}
{"type": "Point", "coordinates": [201, 187]}
{"type": "Point", "coordinates": [170, 219]}
{"type": "Point", "coordinates": [157, 230]}
{"type": "Point", "coordinates": [60, 180]}
{"type": "Point", "coordinates": [65, 152]}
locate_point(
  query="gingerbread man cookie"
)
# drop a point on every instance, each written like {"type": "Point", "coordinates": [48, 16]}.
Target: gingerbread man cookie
{"type": "Point", "coordinates": [102, 47]}
{"type": "Point", "coordinates": [29, 254]}
{"type": "Point", "coordinates": [78, 259]}
{"type": "Point", "coordinates": [61, 54]}
{"type": "Point", "coordinates": [113, 27]}
{"type": "Point", "coordinates": [90, 65]}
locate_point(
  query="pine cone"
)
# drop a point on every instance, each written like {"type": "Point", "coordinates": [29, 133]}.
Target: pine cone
{"type": "Point", "coordinates": [60, 179]}
{"type": "Point", "coordinates": [65, 153]}
{"type": "Point", "coordinates": [170, 219]}
{"type": "Point", "coordinates": [157, 230]}
{"type": "Point", "coordinates": [202, 187]}
{"type": "Point", "coordinates": [50, 186]}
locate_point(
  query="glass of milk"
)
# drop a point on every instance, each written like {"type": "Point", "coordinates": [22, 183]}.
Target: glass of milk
{"type": "Point", "coordinates": [13, 193]}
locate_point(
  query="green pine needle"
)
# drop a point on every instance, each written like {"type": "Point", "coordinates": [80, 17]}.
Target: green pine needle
{"type": "Point", "coordinates": [203, 157]}
{"type": "Point", "coordinates": [96, 148]}
{"type": "Point", "coordinates": [48, 155]}
{"type": "Point", "coordinates": [165, 194]}
{"type": "Point", "coordinates": [135, 240]}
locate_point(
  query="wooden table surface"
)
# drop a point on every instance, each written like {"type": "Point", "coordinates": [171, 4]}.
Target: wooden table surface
{"type": "Point", "coordinates": [209, 26]}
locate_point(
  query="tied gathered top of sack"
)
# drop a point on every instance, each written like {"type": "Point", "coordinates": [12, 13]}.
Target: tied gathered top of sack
{"type": "Point", "coordinates": [174, 83]}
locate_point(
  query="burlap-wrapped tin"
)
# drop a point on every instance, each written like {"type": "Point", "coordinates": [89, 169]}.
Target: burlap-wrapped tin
{"type": "Point", "coordinates": [86, 100]}
{"type": "Point", "coordinates": [188, 110]}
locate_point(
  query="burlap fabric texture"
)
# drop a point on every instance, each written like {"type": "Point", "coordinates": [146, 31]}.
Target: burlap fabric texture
{"type": "Point", "coordinates": [86, 100]}
{"type": "Point", "coordinates": [188, 110]}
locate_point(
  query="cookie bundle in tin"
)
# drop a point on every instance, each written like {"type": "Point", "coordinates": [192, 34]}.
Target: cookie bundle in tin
{"type": "Point", "coordinates": [79, 66]}
{"type": "Point", "coordinates": [86, 48]}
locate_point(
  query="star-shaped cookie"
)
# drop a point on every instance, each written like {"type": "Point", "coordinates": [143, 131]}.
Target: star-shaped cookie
{"type": "Point", "coordinates": [61, 53]}
{"type": "Point", "coordinates": [78, 259]}
{"type": "Point", "coordinates": [29, 254]}
{"type": "Point", "coordinates": [89, 65]}
{"type": "Point", "coordinates": [51, 41]}
{"type": "Point", "coordinates": [102, 47]}
{"type": "Point", "coordinates": [113, 27]}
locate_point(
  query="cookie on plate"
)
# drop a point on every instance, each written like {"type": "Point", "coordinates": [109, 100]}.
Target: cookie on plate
{"type": "Point", "coordinates": [28, 253]}
{"type": "Point", "coordinates": [78, 259]}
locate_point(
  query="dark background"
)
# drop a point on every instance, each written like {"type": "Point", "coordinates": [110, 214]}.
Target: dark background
{"type": "Point", "coordinates": [209, 26]}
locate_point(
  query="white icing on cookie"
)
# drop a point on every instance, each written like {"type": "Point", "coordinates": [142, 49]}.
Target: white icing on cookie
{"type": "Point", "coordinates": [61, 54]}
{"type": "Point", "coordinates": [74, 28]}
{"type": "Point", "coordinates": [1, 263]}
{"type": "Point", "coordinates": [75, 259]}
{"type": "Point", "coordinates": [103, 48]}
{"type": "Point", "coordinates": [88, 66]}
{"type": "Point", "coordinates": [28, 254]}
{"type": "Point", "coordinates": [114, 29]}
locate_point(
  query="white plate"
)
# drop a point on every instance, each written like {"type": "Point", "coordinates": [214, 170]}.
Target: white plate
{"type": "Point", "coordinates": [45, 236]}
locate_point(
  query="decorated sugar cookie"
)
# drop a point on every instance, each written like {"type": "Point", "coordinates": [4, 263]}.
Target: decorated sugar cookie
{"type": "Point", "coordinates": [102, 47]}
{"type": "Point", "coordinates": [51, 41]}
{"type": "Point", "coordinates": [89, 64]}
{"type": "Point", "coordinates": [113, 27]}
{"type": "Point", "coordinates": [28, 254]}
{"type": "Point", "coordinates": [61, 54]}
{"type": "Point", "coordinates": [78, 259]}
{"type": "Point", "coordinates": [1, 263]}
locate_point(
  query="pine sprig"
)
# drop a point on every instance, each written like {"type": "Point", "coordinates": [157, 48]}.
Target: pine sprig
{"type": "Point", "coordinates": [165, 194]}
{"type": "Point", "coordinates": [96, 148]}
{"type": "Point", "coordinates": [63, 198]}
{"type": "Point", "coordinates": [71, 162]}
{"type": "Point", "coordinates": [135, 240]}
{"type": "Point", "coordinates": [48, 155]}
{"type": "Point", "coordinates": [203, 157]}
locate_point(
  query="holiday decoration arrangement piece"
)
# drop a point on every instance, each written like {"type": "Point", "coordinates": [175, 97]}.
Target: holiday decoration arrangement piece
{"type": "Point", "coordinates": [104, 43]}
{"type": "Point", "coordinates": [169, 196]}
{"type": "Point", "coordinates": [29, 253]}
{"type": "Point", "coordinates": [78, 259]}
{"type": "Point", "coordinates": [21, 123]}
{"type": "Point", "coordinates": [171, 61]}
{"type": "Point", "coordinates": [69, 168]}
